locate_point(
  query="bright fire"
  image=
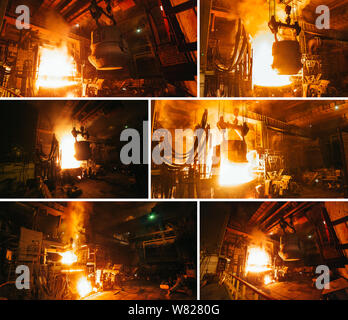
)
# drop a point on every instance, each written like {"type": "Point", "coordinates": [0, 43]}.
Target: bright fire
{"type": "Point", "coordinates": [67, 147]}
{"type": "Point", "coordinates": [267, 279]}
{"type": "Point", "coordinates": [258, 260]}
{"type": "Point", "coordinates": [56, 68]}
{"type": "Point", "coordinates": [234, 173]}
{"type": "Point", "coordinates": [84, 287]}
{"type": "Point", "coordinates": [263, 74]}
{"type": "Point", "coordinates": [68, 257]}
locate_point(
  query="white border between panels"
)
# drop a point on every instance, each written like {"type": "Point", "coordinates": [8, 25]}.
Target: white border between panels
{"type": "Point", "coordinates": [198, 77]}
{"type": "Point", "coordinates": [198, 275]}
{"type": "Point", "coordinates": [172, 200]}
{"type": "Point", "coordinates": [149, 140]}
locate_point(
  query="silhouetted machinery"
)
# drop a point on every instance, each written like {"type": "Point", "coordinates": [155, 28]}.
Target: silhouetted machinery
{"type": "Point", "coordinates": [287, 57]}
{"type": "Point", "coordinates": [313, 53]}
{"type": "Point", "coordinates": [111, 48]}
{"type": "Point", "coordinates": [290, 243]}
{"type": "Point", "coordinates": [108, 49]}
{"type": "Point", "coordinates": [83, 150]}
{"type": "Point", "coordinates": [290, 247]}
{"type": "Point", "coordinates": [237, 148]}
{"type": "Point", "coordinates": [286, 53]}
{"type": "Point", "coordinates": [126, 50]}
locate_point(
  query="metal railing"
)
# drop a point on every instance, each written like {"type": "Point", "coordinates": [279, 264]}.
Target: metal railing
{"type": "Point", "coordinates": [239, 289]}
{"type": "Point", "coordinates": [7, 93]}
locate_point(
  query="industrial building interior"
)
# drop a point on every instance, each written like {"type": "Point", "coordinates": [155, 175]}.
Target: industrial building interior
{"type": "Point", "coordinates": [275, 48]}
{"type": "Point", "coordinates": [71, 149]}
{"type": "Point", "coordinates": [99, 250]}
{"type": "Point", "coordinates": [271, 250]}
{"type": "Point", "coordinates": [250, 149]}
{"type": "Point", "coordinates": [98, 48]}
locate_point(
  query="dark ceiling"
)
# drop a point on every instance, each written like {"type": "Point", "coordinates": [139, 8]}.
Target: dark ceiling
{"type": "Point", "coordinates": [251, 216]}
{"type": "Point", "coordinates": [63, 16]}
{"type": "Point", "coordinates": [316, 115]}
{"type": "Point", "coordinates": [103, 119]}
{"type": "Point", "coordinates": [108, 218]}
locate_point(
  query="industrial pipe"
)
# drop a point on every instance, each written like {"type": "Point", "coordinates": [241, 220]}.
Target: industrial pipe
{"type": "Point", "coordinates": [3, 6]}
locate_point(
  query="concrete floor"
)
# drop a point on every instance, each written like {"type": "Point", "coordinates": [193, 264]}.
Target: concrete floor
{"type": "Point", "coordinates": [292, 291]}
{"type": "Point", "coordinates": [213, 291]}
{"type": "Point", "coordinates": [109, 186]}
{"type": "Point", "coordinates": [137, 290]}
{"type": "Point", "coordinates": [247, 191]}
{"type": "Point", "coordinates": [316, 192]}
{"type": "Point", "coordinates": [306, 192]}
{"type": "Point", "coordinates": [279, 290]}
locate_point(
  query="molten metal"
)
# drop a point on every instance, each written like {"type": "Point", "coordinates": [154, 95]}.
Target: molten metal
{"type": "Point", "coordinates": [258, 260]}
{"type": "Point", "coordinates": [67, 146]}
{"type": "Point", "coordinates": [56, 68]}
{"type": "Point", "coordinates": [84, 287]}
{"type": "Point", "coordinates": [234, 173]}
{"type": "Point", "coordinates": [263, 74]}
{"type": "Point", "coordinates": [68, 257]}
{"type": "Point", "coordinates": [267, 280]}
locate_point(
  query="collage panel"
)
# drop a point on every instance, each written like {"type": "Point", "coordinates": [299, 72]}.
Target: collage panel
{"type": "Point", "coordinates": [271, 48]}
{"type": "Point", "coordinates": [74, 149]}
{"type": "Point", "coordinates": [145, 143]}
{"type": "Point", "coordinates": [274, 250]}
{"type": "Point", "coordinates": [98, 250]}
{"type": "Point", "coordinates": [249, 149]}
{"type": "Point", "coordinates": [108, 48]}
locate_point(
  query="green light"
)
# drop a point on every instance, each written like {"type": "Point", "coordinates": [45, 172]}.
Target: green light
{"type": "Point", "coordinates": [152, 216]}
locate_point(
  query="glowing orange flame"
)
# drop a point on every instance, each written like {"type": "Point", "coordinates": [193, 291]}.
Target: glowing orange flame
{"type": "Point", "coordinates": [67, 147]}
{"type": "Point", "coordinates": [84, 287]}
{"type": "Point", "coordinates": [267, 279]}
{"type": "Point", "coordinates": [258, 260]}
{"type": "Point", "coordinates": [234, 173]}
{"type": "Point", "coordinates": [263, 74]}
{"type": "Point", "coordinates": [56, 68]}
{"type": "Point", "coordinates": [68, 257]}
